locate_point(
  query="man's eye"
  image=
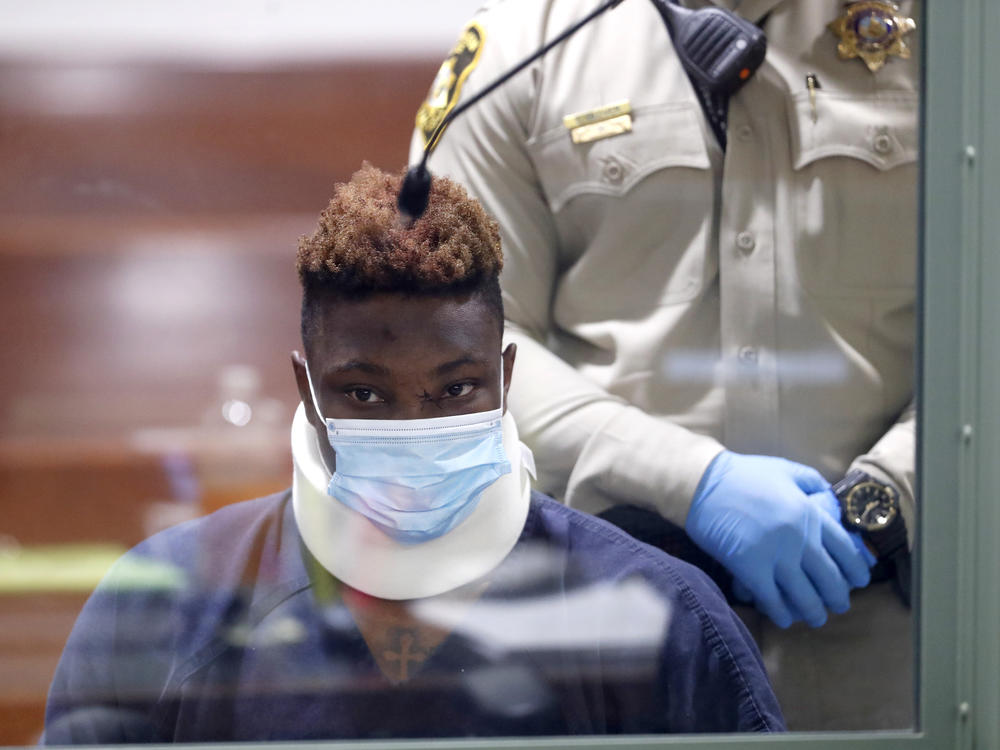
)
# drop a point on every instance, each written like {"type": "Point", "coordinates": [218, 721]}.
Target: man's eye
{"type": "Point", "coordinates": [459, 389]}
{"type": "Point", "coordinates": [364, 395]}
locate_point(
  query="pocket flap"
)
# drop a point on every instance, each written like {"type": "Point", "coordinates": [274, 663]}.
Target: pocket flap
{"type": "Point", "coordinates": [661, 136]}
{"type": "Point", "coordinates": [880, 129]}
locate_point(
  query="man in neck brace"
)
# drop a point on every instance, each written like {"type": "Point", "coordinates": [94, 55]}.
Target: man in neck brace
{"type": "Point", "coordinates": [410, 584]}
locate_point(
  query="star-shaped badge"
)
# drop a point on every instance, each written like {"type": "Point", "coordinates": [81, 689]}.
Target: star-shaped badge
{"type": "Point", "coordinates": [872, 30]}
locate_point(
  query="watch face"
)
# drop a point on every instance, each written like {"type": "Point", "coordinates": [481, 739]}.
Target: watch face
{"type": "Point", "coordinates": [870, 506]}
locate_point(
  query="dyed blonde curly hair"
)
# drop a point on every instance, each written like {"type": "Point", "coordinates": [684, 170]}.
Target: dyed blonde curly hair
{"type": "Point", "coordinates": [361, 245]}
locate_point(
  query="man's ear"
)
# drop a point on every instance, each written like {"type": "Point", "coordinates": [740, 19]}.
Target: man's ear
{"type": "Point", "coordinates": [302, 382]}
{"type": "Point", "coordinates": [508, 371]}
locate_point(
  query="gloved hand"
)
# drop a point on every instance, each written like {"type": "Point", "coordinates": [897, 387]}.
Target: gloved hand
{"type": "Point", "coordinates": [828, 502]}
{"type": "Point", "coordinates": [768, 520]}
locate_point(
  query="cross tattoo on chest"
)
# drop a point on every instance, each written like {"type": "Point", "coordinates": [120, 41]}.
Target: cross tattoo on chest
{"type": "Point", "coordinates": [398, 641]}
{"type": "Point", "coordinates": [404, 655]}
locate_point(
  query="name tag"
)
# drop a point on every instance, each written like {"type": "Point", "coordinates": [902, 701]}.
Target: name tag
{"type": "Point", "coordinates": [603, 129]}
{"type": "Point", "coordinates": [602, 122]}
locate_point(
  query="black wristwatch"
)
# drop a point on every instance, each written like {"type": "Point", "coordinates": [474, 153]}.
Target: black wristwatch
{"type": "Point", "coordinates": [871, 508]}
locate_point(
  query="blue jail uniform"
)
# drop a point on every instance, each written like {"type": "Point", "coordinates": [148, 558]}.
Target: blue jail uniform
{"type": "Point", "coordinates": [226, 629]}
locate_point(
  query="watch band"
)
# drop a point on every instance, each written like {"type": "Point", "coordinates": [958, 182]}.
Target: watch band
{"type": "Point", "coordinates": [887, 542]}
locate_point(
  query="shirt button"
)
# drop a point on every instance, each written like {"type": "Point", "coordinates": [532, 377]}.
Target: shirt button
{"type": "Point", "coordinates": [744, 132]}
{"type": "Point", "coordinates": [882, 143]}
{"type": "Point", "coordinates": [747, 355]}
{"type": "Point", "coordinates": [745, 241]}
{"type": "Point", "coordinates": [613, 171]}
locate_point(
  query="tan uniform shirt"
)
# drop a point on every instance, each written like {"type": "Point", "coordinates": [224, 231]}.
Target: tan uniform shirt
{"type": "Point", "coordinates": [668, 299]}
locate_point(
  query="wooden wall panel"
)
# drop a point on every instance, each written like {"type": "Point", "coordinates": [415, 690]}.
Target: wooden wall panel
{"type": "Point", "coordinates": [155, 141]}
{"type": "Point", "coordinates": [148, 222]}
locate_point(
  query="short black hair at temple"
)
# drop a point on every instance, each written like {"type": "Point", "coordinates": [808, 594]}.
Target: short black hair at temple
{"type": "Point", "coordinates": [361, 247]}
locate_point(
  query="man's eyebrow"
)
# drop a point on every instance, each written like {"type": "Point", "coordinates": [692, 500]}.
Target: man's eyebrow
{"type": "Point", "coordinates": [455, 364]}
{"type": "Point", "coordinates": [360, 365]}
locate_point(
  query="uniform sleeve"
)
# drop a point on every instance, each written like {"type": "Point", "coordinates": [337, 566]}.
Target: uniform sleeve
{"type": "Point", "coordinates": [893, 459]}
{"type": "Point", "coordinates": [710, 667]}
{"type": "Point", "coordinates": [595, 450]}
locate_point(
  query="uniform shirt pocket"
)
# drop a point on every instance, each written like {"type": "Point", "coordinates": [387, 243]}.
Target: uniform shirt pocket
{"type": "Point", "coordinates": [662, 136]}
{"type": "Point", "coordinates": [853, 189]}
{"type": "Point", "coordinates": [633, 213]}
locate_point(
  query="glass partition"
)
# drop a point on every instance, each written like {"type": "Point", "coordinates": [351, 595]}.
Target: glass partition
{"type": "Point", "coordinates": [151, 208]}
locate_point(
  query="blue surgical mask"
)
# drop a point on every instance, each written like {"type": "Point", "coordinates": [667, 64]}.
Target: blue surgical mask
{"type": "Point", "coordinates": [416, 479]}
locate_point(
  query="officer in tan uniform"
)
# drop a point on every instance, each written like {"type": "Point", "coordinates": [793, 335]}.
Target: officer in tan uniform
{"type": "Point", "coordinates": [718, 330]}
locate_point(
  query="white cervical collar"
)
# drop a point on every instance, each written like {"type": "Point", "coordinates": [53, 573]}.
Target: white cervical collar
{"type": "Point", "coordinates": [358, 553]}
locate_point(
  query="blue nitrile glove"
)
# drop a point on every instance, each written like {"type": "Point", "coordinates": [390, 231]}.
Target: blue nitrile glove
{"type": "Point", "coordinates": [828, 501]}
{"type": "Point", "coordinates": [754, 514]}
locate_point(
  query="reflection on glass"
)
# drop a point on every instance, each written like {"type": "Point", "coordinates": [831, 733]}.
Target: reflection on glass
{"type": "Point", "coordinates": [410, 584]}
{"type": "Point", "coordinates": [185, 648]}
{"type": "Point", "coordinates": [690, 274]}
{"type": "Point", "coordinates": [759, 298]}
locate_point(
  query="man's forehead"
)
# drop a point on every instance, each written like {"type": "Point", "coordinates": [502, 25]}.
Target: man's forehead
{"type": "Point", "coordinates": [425, 363]}
{"type": "Point", "coordinates": [381, 329]}
{"type": "Point", "coordinates": [405, 309]}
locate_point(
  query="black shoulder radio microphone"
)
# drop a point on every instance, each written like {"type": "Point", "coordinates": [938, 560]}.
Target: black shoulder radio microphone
{"type": "Point", "coordinates": [719, 51]}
